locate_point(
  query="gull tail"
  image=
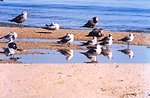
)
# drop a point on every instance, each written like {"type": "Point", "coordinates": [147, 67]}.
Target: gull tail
{"type": "Point", "coordinates": [82, 53]}
{"type": "Point", "coordinates": [59, 42]}
{"type": "Point", "coordinates": [11, 20]}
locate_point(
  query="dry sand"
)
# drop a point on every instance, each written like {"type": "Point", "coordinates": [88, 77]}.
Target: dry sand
{"type": "Point", "coordinates": [72, 80]}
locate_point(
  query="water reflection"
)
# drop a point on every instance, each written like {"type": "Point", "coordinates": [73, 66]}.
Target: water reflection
{"type": "Point", "coordinates": [93, 53]}
{"type": "Point", "coordinates": [108, 53]}
{"type": "Point", "coordinates": [128, 52]}
{"type": "Point", "coordinates": [14, 58]}
{"type": "Point", "coordinates": [117, 53]}
{"type": "Point", "coordinates": [67, 53]}
{"type": "Point", "coordinates": [91, 56]}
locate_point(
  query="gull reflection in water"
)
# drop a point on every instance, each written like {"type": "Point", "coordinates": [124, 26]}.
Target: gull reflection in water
{"type": "Point", "coordinates": [14, 58]}
{"type": "Point", "coordinates": [107, 52]}
{"type": "Point", "coordinates": [92, 57]}
{"type": "Point", "coordinates": [67, 53]}
{"type": "Point", "coordinates": [128, 52]}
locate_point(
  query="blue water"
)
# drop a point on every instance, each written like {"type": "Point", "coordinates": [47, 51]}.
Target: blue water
{"type": "Point", "coordinates": [140, 55]}
{"type": "Point", "coordinates": [113, 14]}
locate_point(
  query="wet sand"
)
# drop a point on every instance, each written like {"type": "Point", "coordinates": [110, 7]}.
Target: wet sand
{"type": "Point", "coordinates": [28, 32]}
{"type": "Point", "coordinates": [80, 35]}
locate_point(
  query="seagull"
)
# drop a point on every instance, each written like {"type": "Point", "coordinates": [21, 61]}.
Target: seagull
{"type": "Point", "coordinates": [66, 39]}
{"type": "Point", "coordinates": [92, 53]}
{"type": "Point", "coordinates": [96, 32]}
{"type": "Point", "coordinates": [10, 51]}
{"type": "Point", "coordinates": [91, 56]}
{"type": "Point", "coordinates": [67, 53]}
{"type": "Point", "coordinates": [53, 26]}
{"type": "Point", "coordinates": [128, 52]}
{"type": "Point", "coordinates": [10, 37]}
{"type": "Point", "coordinates": [92, 23]}
{"type": "Point", "coordinates": [107, 52]}
{"type": "Point", "coordinates": [20, 18]}
{"type": "Point", "coordinates": [90, 42]}
{"type": "Point", "coordinates": [106, 42]}
{"type": "Point", "coordinates": [107, 38]}
{"type": "Point", "coordinates": [128, 39]}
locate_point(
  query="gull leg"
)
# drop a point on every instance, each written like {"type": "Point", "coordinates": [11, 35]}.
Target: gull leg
{"type": "Point", "coordinates": [128, 46]}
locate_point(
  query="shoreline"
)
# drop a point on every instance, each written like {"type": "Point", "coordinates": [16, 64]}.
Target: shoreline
{"type": "Point", "coordinates": [3, 24]}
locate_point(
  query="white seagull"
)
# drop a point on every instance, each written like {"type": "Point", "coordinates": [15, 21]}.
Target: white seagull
{"type": "Point", "coordinates": [66, 39]}
{"type": "Point", "coordinates": [53, 26]}
{"type": "Point", "coordinates": [127, 39]}
{"type": "Point", "coordinates": [20, 18]}
{"type": "Point", "coordinates": [92, 53]}
{"type": "Point", "coordinates": [10, 37]}
{"type": "Point", "coordinates": [10, 51]}
{"type": "Point", "coordinates": [106, 42]}
{"type": "Point", "coordinates": [90, 42]}
{"type": "Point", "coordinates": [109, 37]}
{"type": "Point", "coordinates": [92, 23]}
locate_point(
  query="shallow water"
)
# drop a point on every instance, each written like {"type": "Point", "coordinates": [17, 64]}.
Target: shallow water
{"type": "Point", "coordinates": [113, 14]}
{"type": "Point", "coordinates": [140, 55]}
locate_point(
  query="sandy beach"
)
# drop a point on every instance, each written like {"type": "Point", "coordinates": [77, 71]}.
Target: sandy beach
{"type": "Point", "coordinates": [72, 80]}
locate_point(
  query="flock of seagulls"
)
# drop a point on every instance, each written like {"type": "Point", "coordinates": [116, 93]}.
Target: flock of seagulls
{"type": "Point", "coordinates": [12, 46]}
{"type": "Point", "coordinates": [95, 46]}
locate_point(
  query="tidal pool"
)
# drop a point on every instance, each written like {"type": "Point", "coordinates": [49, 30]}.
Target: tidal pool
{"type": "Point", "coordinates": [118, 53]}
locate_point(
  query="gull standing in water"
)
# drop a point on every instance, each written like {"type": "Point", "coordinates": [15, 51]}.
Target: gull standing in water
{"type": "Point", "coordinates": [20, 18]}
{"type": "Point", "coordinates": [106, 41]}
{"type": "Point", "coordinates": [90, 42]}
{"type": "Point", "coordinates": [107, 38]}
{"type": "Point", "coordinates": [127, 39]}
{"type": "Point", "coordinates": [66, 39]}
{"type": "Point", "coordinates": [92, 53]}
{"type": "Point", "coordinates": [10, 37]}
{"type": "Point", "coordinates": [92, 23]}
